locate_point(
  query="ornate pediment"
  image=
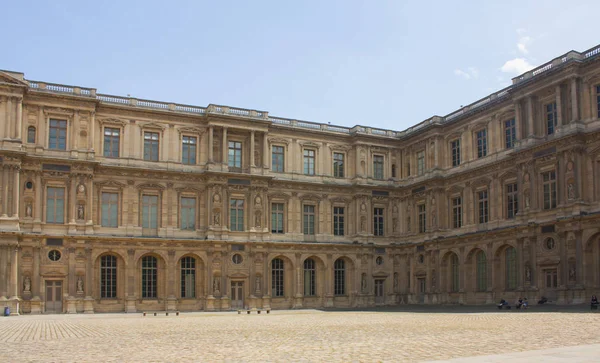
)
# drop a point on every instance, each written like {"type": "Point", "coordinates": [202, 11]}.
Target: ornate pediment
{"type": "Point", "coordinates": [6, 78]}
{"type": "Point", "coordinates": [278, 196]}
{"type": "Point", "coordinates": [339, 147]}
{"type": "Point", "coordinates": [313, 197]}
{"type": "Point", "coordinates": [309, 144]}
{"type": "Point", "coordinates": [110, 184]}
{"type": "Point", "coordinates": [112, 121]}
{"type": "Point", "coordinates": [276, 140]}
{"type": "Point", "coordinates": [152, 125]}
{"type": "Point", "coordinates": [191, 130]}
{"type": "Point", "coordinates": [151, 186]}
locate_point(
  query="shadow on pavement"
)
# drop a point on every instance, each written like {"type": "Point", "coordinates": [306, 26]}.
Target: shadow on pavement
{"type": "Point", "coordinates": [469, 309]}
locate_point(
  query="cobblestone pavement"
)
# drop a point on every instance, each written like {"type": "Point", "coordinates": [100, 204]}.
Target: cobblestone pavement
{"type": "Point", "coordinates": [283, 336]}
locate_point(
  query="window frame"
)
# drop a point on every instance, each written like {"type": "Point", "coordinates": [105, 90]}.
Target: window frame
{"type": "Point", "coordinates": [277, 213]}
{"type": "Point", "coordinates": [308, 218]}
{"type": "Point", "coordinates": [551, 119]}
{"type": "Point", "coordinates": [422, 217]}
{"type": "Point", "coordinates": [59, 130]}
{"type": "Point", "coordinates": [378, 166]}
{"type": "Point", "coordinates": [235, 154]}
{"type": "Point", "coordinates": [273, 158]}
{"type": "Point", "coordinates": [150, 143]}
{"type": "Point", "coordinates": [149, 230]}
{"type": "Point", "coordinates": [339, 223]}
{"type": "Point", "coordinates": [277, 277]}
{"type": "Point", "coordinates": [309, 168]}
{"type": "Point", "coordinates": [55, 198]}
{"type": "Point", "coordinates": [456, 209]}
{"type": "Point", "coordinates": [378, 221]}
{"type": "Point", "coordinates": [420, 155]}
{"type": "Point", "coordinates": [149, 288]}
{"type": "Point", "coordinates": [512, 199]}
{"type": "Point", "coordinates": [455, 152]}
{"type": "Point", "coordinates": [510, 133]}
{"type": "Point", "coordinates": [481, 144]}
{"type": "Point", "coordinates": [185, 156]}
{"type": "Point", "coordinates": [187, 267]}
{"type": "Point", "coordinates": [116, 205]}
{"type": "Point", "coordinates": [549, 192]}
{"type": "Point", "coordinates": [339, 165]}
{"type": "Point", "coordinates": [236, 211]}
{"type": "Point", "coordinates": [109, 273]}
{"type": "Point", "coordinates": [483, 205]}
{"type": "Point", "coordinates": [339, 277]}
{"type": "Point", "coordinates": [309, 273]}
{"type": "Point", "coordinates": [193, 207]}
{"type": "Point", "coordinates": [30, 139]}
{"type": "Point", "coordinates": [110, 152]}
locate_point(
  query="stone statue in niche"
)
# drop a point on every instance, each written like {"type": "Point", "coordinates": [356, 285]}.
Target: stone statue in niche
{"type": "Point", "coordinates": [257, 219]}
{"type": "Point", "coordinates": [79, 284]}
{"type": "Point", "coordinates": [395, 224]}
{"type": "Point", "coordinates": [433, 219]}
{"type": "Point", "coordinates": [364, 260]}
{"type": "Point", "coordinates": [217, 218]}
{"type": "Point", "coordinates": [216, 198]}
{"type": "Point", "coordinates": [364, 283]}
{"type": "Point", "coordinates": [28, 210]}
{"type": "Point", "coordinates": [256, 158]}
{"type": "Point", "coordinates": [433, 279]}
{"type": "Point", "coordinates": [571, 191]}
{"type": "Point", "coordinates": [81, 189]}
{"type": "Point", "coordinates": [408, 223]}
{"type": "Point", "coordinates": [80, 211]}
{"type": "Point", "coordinates": [526, 198]}
{"type": "Point", "coordinates": [395, 282]}
{"type": "Point", "coordinates": [216, 285]}
{"type": "Point", "coordinates": [363, 223]}
{"type": "Point", "coordinates": [527, 273]}
{"type": "Point", "coordinates": [27, 284]}
{"type": "Point", "coordinates": [572, 273]}
{"type": "Point", "coordinates": [363, 207]}
{"type": "Point", "coordinates": [257, 283]}
{"type": "Point", "coordinates": [257, 201]}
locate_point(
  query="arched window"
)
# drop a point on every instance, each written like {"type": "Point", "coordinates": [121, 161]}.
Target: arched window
{"type": "Point", "coordinates": [309, 277]}
{"type": "Point", "coordinates": [511, 268]}
{"type": "Point", "coordinates": [481, 271]}
{"type": "Point", "coordinates": [454, 276]}
{"type": "Point", "coordinates": [31, 135]}
{"type": "Point", "coordinates": [188, 277]}
{"type": "Point", "coordinates": [277, 277]}
{"type": "Point", "coordinates": [108, 277]}
{"type": "Point", "coordinates": [339, 277]}
{"type": "Point", "coordinates": [149, 277]}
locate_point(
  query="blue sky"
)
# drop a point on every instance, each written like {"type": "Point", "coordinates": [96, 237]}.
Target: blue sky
{"type": "Point", "coordinates": [388, 64]}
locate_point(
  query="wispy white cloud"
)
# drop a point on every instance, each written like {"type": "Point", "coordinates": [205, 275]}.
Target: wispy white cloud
{"type": "Point", "coordinates": [471, 72]}
{"type": "Point", "coordinates": [517, 66]}
{"type": "Point", "coordinates": [523, 44]}
{"type": "Point", "coordinates": [521, 31]}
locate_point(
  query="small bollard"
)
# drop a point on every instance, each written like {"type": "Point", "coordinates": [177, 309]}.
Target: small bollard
{"type": "Point", "coordinates": [154, 314]}
{"type": "Point", "coordinates": [144, 313]}
{"type": "Point", "coordinates": [167, 314]}
{"type": "Point", "coordinates": [177, 313]}
{"type": "Point", "coordinates": [239, 311]}
{"type": "Point", "coordinates": [268, 311]}
{"type": "Point", "coordinates": [258, 311]}
{"type": "Point", "coordinates": [248, 312]}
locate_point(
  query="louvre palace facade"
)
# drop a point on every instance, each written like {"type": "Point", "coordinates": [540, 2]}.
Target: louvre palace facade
{"type": "Point", "coordinates": [118, 204]}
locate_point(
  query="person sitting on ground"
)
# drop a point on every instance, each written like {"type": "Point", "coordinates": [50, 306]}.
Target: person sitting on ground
{"type": "Point", "coordinates": [594, 300]}
{"type": "Point", "coordinates": [519, 303]}
{"type": "Point", "coordinates": [501, 304]}
{"type": "Point", "coordinates": [525, 303]}
{"type": "Point", "coordinates": [543, 300]}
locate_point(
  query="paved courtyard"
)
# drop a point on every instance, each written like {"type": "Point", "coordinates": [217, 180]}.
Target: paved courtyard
{"type": "Point", "coordinates": [282, 336]}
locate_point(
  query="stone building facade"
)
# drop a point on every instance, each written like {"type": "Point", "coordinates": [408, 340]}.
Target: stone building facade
{"type": "Point", "coordinates": [111, 204]}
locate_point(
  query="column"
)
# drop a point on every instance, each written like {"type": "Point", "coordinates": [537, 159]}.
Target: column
{"type": "Point", "coordinates": [252, 148]}
{"type": "Point", "coordinates": [266, 151]}
{"type": "Point", "coordinates": [90, 199]}
{"type": "Point", "coordinates": [14, 270]}
{"type": "Point", "coordinates": [72, 196]}
{"type": "Point", "coordinates": [16, 189]}
{"type": "Point", "coordinates": [225, 148]}
{"type": "Point", "coordinates": [38, 197]}
{"type": "Point", "coordinates": [530, 124]}
{"type": "Point", "coordinates": [35, 283]}
{"type": "Point", "coordinates": [92, 135]}
{"type": "Point", "coordinates": [520, 264]}
{"type": "Point", "coordinates": [89, 291]}
{"type": "Point", "coordinates": [518, 120]}
{"type": "Point", "coordinates": [578, 259]}
{"type": "Point", "coordinates": [210, 144]}
{"type": "Point", "coordinates": [563, 271]}
{"type": "Point", "coordinates": [574, 101]}
{"type": "Point", "coordinates": [19, 120]}
{"type": "Point", "coordinates": [72, 288]}
{"type": "Point", "coordinates": [5, 183]}
{"type": "Point", "coordinates": [3, 265]}
{"type": "Point", "coordinates": [9, 106]}
{"type": "Point", "coordinates": [559, 113]}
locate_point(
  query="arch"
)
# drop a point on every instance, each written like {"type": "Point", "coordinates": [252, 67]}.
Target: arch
{"type": "Point", "coordinates": [309, 268]}
{"type": "Point", "coordinates": [152, 269]}
{"type": "Point", "coordinates": [109, 276]}
{"type": "Point", "coordinates": [281, 280]}
{"type": "Point", "coordinates": [189, 267]}
{"type": "Point", "coordinates": [591, 261]}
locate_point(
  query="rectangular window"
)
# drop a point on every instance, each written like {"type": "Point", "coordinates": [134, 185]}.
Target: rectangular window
{"type": "Point", "coordinates": [549, 183]}
{"type": "Point", "coordinates": [309, 219]}
{"type": "Point", "coordinates": [236, 215]}
{"type": "Point", "coordinates": [150, 213]}
{"type": "Point", "coordinates": [482, 201]}
{"type": "Point", "coordinates": [309, 162]}
{"type": "Point", "coordinates": [151, 143]}
{"type": "Point", "coordinates": [378, 221]}
{"type": "Point", "coordinates": [338, 221]}
{"type": "Point", "coordinates": [421, 162]}
{"type": "Point", "coordinates": [457, 212]}
{"type": "Point", "coordinates": [112, 137]}
{"type": "Point", "coordinates": [598, 99]}
{"type": "Point", "coordinates": [551, 118]}
{"type": "Point", "coordinates": [455, 146]}
{"type": "Point", "coordinates": [510, 133]}
{"type": "Point", "coordinates": [234, 158]}
{"type": "Point", "coordinates": [481, 143]}
{"type": "Point", "coordinates": [188, 214]}
{"type": "Point", "coordinates": [338, 165]}
{"type": "Point", "coordinates": [188, 150]}
{"type": "Point", "coordinates": [110, 210]}
{"type": "Point", "coordinates": [378, 167]}
{"type": "Point", "coordinates": [55, 205]}
{"type": "Point", "coordinates": [277, 159]}
{"type": "Point", "coordinates": [422, 218]}
{"type": "Point", "coordinates": [277, 218]}
{"type": "Point", "coordinates": [512, 200]}
{"type": "Point", "coordinates": [57, 136]}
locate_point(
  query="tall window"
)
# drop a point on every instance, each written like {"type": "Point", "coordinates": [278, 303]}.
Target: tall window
{"type": "Point", "coordinates": [421, 162]}
{"type": "Point", "coordinates": [277, 277]}
{"type": "Point", "coordinates": [338, 221]}
{"type": "Point", "coordinates": [151, 143]}
{"type": "Point", "coordinates": [309, 219]}
{"type": "Point", "coordinates": [511, 268]}
{"type": "Point", "coordinates": [108, 277]}
{"type": "Point", "coordinates": [188, 277]}
{"type": "Point", "coordinates": [149, 277]}
{"type": "Point", "coordinates": [512, 200]}
{"type": "Point", "coordinates": [378, 221]}
{"type": "Point", "coordinates": [277, 159]}
{"type": "Point", "coordinates": [551, 118]}
{"type": "Point", "coordinates": [338, 165]}
{"type": "Point", "coordinates": [457, 212]}
{"type": "Point", "coordinates": [309, 277]}
{"type": "Point", "coordinates": [481, 143]}
{"type": "Point", "coordinates": [309, 162]}
{"type": "Point", "coordinates": [393, 170]}
{"type": "Point", "coordinates": [339, 272]}
{"type": "Point", "coordinates": [31, 135]}
{"type": "Point", "coordinates": [55, 205]}
{"type": "Point", "coordinates": [234, 158]}
{"type": "Point", "coordinates": [422, 218]}
{"type": "Point", "coordinates": [188, 214]}
{"type": "Point", "coordinates": [598, 99]}
{"type": "Point", "coordinates": [110, 210]}
{"type": "Point", "coordinates": [455, 148]}
{"type": "Point", "coordinates": [549, 184]}
{"type": "Point", "coordinates": [378, 167]}
{"type": "Point", "coordinates": [277, 218]}
{"type": "Point", "coordinates": [57, 137]}
{"type": "Point", "coordinates": [510, 133]}
{"type": "Point", "coordinates": [150, 213]}
{"type": "Point", "coordinates": [236, 215]}
{"type": "Point", "coordinates": [481, 271]}
{"type": "Point", "coordinates": [188, 150]}
{"type": "Point", "coordinates": [482, 201]}
{"type": "Point", "coordinates": [454, 275]}
{"type": "Point", "coordinates": [112, 137]}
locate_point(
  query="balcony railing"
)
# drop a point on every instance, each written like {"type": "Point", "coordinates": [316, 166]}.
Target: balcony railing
{"type": "Point", "coordinates": [554, 64]}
